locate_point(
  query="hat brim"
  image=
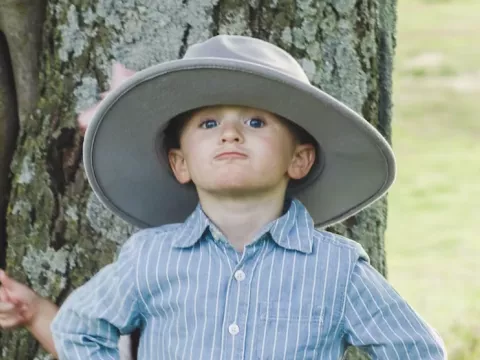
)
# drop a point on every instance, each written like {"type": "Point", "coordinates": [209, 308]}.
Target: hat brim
{"type": "Point", "coordinates": [123, 167]}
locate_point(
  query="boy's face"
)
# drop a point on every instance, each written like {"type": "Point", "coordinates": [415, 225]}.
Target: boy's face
{"type": "Point", "coordinates": [237, 150]}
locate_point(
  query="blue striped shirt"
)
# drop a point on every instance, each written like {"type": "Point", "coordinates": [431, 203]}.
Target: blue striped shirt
{"type": "Point", "coordinates": [293, 293]}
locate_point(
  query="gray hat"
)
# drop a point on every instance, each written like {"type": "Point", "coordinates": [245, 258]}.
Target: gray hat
{"type": "Point", "coordinates": [121, 150]}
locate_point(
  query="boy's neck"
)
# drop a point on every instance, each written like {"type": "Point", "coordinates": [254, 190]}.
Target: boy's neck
{"type": "Point", "coordinates": [241, 218]}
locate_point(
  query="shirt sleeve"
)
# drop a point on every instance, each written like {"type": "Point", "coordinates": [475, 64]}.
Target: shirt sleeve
{"type": "Point", "coordinates": [91, 320]}
{"type": "Point", "coordinates": [380, 322]}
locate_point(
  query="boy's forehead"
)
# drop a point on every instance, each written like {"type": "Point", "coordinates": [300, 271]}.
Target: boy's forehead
{"type": "Point", "coordinates": [227, 108]}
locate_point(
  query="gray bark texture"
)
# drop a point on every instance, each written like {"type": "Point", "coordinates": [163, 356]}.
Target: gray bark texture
{"type": "Point", "coordinates": [55, 58]}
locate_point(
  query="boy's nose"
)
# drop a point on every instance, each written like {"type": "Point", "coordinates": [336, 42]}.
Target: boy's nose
{"type": "Point", "coordinates": [231, 134]}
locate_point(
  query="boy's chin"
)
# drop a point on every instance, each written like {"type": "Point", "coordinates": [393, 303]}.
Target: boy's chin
{"type": "Point", "coordinates": [237, 188]}
{"type": "Point", "coordinates": [233, 189]}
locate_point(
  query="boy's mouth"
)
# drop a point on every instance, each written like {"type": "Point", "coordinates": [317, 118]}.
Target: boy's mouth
{"type": "Point", "coordinates": [230, 155]}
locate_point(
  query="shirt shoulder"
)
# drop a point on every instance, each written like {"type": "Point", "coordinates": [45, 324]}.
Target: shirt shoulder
{"type": "Point", "coordinates": [149, 238]}
{"type": "Point", "coordinates": [152, 232]}
{"type": "Point", "coordinates": [323, 239]}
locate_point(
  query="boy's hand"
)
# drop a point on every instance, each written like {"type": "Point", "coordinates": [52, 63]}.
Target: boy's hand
{"type": "Point", "coordinates": [21, 306]}
{"type": "Point", "coordinates": [18, 303]}
{"type": "Point", "coordinates": [119, 74]}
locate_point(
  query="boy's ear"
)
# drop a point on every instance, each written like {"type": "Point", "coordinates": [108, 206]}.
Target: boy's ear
{"type": "Point", "coordinates": [302, 161]}
{"type": "Point", "coordinates": [178, 165]}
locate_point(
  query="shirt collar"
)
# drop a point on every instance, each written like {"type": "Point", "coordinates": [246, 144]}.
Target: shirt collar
{"type": "Point", "coordinates": [293, 230]}
{"type": "Point", "coordinates": [193, 228]}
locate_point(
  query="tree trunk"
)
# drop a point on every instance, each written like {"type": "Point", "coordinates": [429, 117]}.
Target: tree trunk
{"type": "Point", "coordinates": [61, 53]}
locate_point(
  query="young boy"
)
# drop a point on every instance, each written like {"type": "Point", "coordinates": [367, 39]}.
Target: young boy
{"type": "Point", "coordinates": [246, 275]}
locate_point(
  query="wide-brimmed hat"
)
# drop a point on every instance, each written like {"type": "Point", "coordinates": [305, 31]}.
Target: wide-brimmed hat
{"type": "Point", "coordinates": [128, 172]}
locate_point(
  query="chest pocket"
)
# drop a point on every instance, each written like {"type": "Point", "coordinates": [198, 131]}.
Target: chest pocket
{"type": "Point", "coordinates": [288, 332]}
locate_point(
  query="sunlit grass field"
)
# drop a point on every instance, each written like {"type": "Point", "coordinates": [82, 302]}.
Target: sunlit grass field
{"type": "Point", "coordinates": [433, 241]}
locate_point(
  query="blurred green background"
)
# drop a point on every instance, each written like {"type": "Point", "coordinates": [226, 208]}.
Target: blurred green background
{"type": "Point", "coordinates": [433, 246]}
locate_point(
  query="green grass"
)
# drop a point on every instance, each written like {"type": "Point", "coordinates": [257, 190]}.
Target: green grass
{"type": "Point", "coordinates": [433, 245]}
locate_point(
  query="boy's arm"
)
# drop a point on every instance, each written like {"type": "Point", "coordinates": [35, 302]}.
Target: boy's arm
{"type": "Point", "coordinates": [91, 320]}
{"type": "Point", "coordinates": [378, 320]}
{"type": "Point", "coordinates": [40, 325]}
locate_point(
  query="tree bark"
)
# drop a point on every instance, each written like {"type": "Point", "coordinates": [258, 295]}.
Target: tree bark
{"type": "Point", "coordinates": [58, 233]}
{"type": "Point", "coordinates": [8, 135]}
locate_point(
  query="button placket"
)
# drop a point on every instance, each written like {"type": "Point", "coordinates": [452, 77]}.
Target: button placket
{"type": "Point", "coordinates": [236, 318]}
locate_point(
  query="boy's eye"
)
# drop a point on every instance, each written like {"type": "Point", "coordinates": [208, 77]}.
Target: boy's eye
{"type": "Point", "coordinates": [208, 124]}
{"type": "Point", "coordinates": [256, 122]}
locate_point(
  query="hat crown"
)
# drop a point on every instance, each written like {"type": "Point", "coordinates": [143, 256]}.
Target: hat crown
{"type": "Point", "coordinates": [242, 48]}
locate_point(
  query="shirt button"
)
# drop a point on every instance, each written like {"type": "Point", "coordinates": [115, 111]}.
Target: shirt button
{"type": "Point", "coordinates": [233, 329]}
{"type": "Point", "coordinates": [239, 275]}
